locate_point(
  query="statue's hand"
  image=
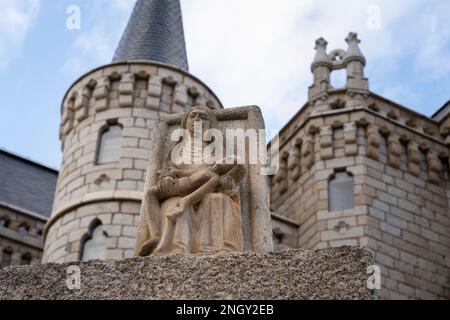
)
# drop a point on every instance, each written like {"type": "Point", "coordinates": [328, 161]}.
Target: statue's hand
{"type": "Point", "coordinates": [166, 185]}
{"type": "Point", "coordinates": [177, 211]}
{"type": "Point", "coordinates": [227, 183]}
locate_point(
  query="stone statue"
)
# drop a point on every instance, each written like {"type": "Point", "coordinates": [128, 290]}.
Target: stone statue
{"type": "Point", "coordinates": [192, 201]}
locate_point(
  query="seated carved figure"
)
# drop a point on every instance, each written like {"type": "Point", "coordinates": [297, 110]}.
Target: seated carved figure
{"type": "Point", "coordinates": [194, 207]}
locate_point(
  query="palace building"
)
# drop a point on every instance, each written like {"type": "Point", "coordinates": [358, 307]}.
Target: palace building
{"type": "Point", "coordinates": [356, 169]}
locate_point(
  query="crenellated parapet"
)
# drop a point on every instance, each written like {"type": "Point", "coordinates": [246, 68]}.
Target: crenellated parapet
{"type": "Point", "coordinates": [398, 134]}
{"type": "Point", "coordinates": [145, 85]}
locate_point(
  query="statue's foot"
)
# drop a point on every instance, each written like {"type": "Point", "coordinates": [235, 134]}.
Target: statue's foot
{"type": "Point", "coordinates": [222, 251]}
{"type": "Point", "coordinates": [162, 252]}
{"type": "Point", "coordinates": [176, 252]}
{"type": "Point", "coordinates": [148, 247]}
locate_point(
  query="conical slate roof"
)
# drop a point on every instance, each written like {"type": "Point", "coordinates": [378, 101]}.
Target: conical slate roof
{"type": "Point", "coordinates": [154, 32]}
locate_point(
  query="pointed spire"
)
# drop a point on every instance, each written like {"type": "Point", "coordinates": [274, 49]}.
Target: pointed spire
{"type": "Point", "coordinates": [353, 51]}
{"type": "Point", "coordinates": [154, 32]}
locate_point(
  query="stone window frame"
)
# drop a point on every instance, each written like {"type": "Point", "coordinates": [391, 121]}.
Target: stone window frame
{"type": "Point", "coordinates": [95, 223]}
{"type": "Point", "coordinates": [24, 229]}
{"type": "Point", "coordinates": [26, 258]}
{"type": "Point", "coordinates": [168, 83]}
{"type": "Point", "coordinates": [103, 129]}
{"type": "Point", "coordinates": [192, 94]}
{"type": "Point", "coordinates": [8, 251]}
{"type": "Point", "coordinates": [6, 221]}
{"type": "Point", "coordinates": [331, 178]}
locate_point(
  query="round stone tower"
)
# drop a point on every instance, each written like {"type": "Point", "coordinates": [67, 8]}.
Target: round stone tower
{"type": "Point", "coordinates": [106, 129]}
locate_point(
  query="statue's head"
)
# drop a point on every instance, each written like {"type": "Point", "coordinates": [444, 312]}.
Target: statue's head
{"type": "Point", "coordinates": [199, 116]}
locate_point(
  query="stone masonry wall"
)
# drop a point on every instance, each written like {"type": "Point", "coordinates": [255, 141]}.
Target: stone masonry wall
{"type": "Point", "coordinates": [132, 95]}
{"type": "Point", "coordinates": [401, 193]}
{"type": "Point", "coordinates": [28, 244]}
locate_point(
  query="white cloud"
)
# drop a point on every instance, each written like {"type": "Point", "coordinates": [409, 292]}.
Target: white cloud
{"type": "Point", "coordinates": [103, 25]}
{"type": "Point", "coordinates": [259, 51]}
{"type": "Point", "coordinates": [122, 5]}
{"type": "Point", "coordinates": [94, 43]}
{"type": "Point", "coordinates": [433, 59]}
{"type": "Point", "coordinates": [16, 19]}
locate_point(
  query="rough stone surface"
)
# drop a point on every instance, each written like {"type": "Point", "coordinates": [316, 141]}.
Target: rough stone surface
{"type": "Point", "coordinates": [399, 165]}
{"type": "Point", "coordinates": [334, 273]}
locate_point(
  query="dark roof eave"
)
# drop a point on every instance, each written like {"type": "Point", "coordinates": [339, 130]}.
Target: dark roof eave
{"type": "Point", "coordinates": [28, 160]}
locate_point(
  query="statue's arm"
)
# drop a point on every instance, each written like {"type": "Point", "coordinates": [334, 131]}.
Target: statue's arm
{"type": "Point", "coordinates": [183, 172]}
{"type": "Point", "coordinates": [197, 196]}
{"type": "Point", "coordinates": [193, 198]}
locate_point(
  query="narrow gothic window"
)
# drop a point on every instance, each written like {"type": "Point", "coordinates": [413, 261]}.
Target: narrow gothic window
{"type": "Point", "coordinates": [190, 100]}
{"type": "Point", "coordinates": [25, 259]}
{"type": "Point", "coordinates": [94, 244]}
{"type": "Point", "coordinates": [341, 191]}
{"type": "Point", "coordinates": [167, 96]}
{"type": "Point", "coordinates": [6, 257]}
{"type": "Point", "coordinates": [109, 144]}
{"type": "Point", "coordinates": [192, 95]}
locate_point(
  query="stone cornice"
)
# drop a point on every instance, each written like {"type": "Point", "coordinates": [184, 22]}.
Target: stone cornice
{"type": "Point", "coordinates": [137, 62]}
{"type": "Point", "coordinates": [353, 110]}
{"type": "Point", "coordinates": [276, 216]}
{"type": "Point", "coordinates": [88, 198]}
{"type": "Point", "coordinates": [14, 236]}
{"type": "Point", "coordinates": [24, 211]}
{"type": "Point", "coordinates": [307, 107]}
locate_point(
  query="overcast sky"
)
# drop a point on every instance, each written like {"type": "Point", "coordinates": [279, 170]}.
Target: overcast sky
{"type": "Point", "coordinates": [248, 51]}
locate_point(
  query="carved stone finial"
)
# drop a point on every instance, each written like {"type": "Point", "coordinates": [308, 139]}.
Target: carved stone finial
{"type": "Point", "coordinates": [352, 37]}
{"type": "Point", "coordinates": [321, 53]}
{"type": "Point", "coordinates": [321, 43]}
{"type": "Point", "coordinates": [353, 51]}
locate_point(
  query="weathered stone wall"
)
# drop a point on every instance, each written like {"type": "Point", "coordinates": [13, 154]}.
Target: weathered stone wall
{"type": "Point", "coordinates": [408, 187]}
{"type": "Point", "coordinates": [132, 95]}
{"type": "Point", "coordinates": [314, 145]}
{"type": "Point", "coordinates": [294, 274]}
{"type": "Point", "coordinates": [26, 244]}
{"type": "Point", "coordinates": [401, 197]}
{"type": "Point", "coordinates": [284, 233]}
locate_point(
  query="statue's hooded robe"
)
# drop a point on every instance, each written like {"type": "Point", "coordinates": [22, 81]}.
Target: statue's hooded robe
{"type": "Point", "coordinates": [213, 225]}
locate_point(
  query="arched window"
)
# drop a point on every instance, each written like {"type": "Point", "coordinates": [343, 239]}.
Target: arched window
{"type": "Point", "coordinates": [94, 242]}
{"type": "Point", "coordinates": [4, 222]}
{"type": "Point", "coordinates": [6, 257]}
{"type": "Point", "coordinates": [192, 95]}
{"type": "Point", "coordinates": [341, 190]}
{"type": "Point", "coordinates": [109, 145]}
{"type": "Point", "coordinates": [24, 229]}
{"type": "Point", "coordinates": [167, 94]}
{"type": "Point", "coordinates": [25, 259]}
